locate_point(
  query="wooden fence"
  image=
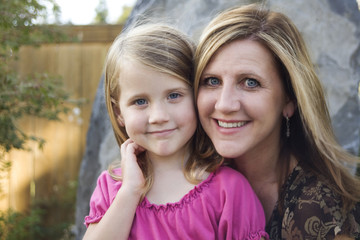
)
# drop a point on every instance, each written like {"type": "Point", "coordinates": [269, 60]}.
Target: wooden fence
{"type": "Point", "coordinates": [41, 173]}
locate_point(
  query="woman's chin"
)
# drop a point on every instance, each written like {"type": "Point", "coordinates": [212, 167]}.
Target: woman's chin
{"type": "Point", "coordinates": [228, 154]}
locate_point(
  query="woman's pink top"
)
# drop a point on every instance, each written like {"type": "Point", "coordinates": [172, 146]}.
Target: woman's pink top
{"type": "Point", "coordinates": [223, 206]}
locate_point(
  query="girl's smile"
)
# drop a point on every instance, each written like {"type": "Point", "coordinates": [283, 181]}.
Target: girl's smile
{"type": "Point", "coordinates": [157, 110]}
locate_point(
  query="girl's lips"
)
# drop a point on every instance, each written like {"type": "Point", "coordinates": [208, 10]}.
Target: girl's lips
{"type": "Point", "coordinates": [161, 132]}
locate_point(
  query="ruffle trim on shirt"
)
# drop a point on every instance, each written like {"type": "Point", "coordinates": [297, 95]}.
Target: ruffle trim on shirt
{"type": "Point", "coordinates": [92, 219]}
{"type": "Point", "coordinates": [257, 235]}
{"type": "Point", "coordinates": [188, 198]}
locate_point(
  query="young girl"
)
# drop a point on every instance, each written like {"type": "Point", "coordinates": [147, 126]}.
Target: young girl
{"type": "Point", "coordinates": [168, 186]}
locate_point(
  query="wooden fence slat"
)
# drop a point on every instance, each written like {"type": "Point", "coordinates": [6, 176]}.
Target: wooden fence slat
{"type": "Point", "coordinates": [80, 64]}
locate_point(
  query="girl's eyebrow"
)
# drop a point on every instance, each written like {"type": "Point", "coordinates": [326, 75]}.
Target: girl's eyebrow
{"type": "Point", "coordinates": [145, 95]}
{"type": "Point", "coordinates": [136, 96]}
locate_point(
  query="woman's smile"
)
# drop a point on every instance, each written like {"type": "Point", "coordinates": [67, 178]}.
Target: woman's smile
{"type": "Point", "coordinates": [241, 99]}
{"type": "Point", "coordinates": [231, 124]}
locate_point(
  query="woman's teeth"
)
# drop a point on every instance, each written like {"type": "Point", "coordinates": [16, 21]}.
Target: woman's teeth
{"type": "Point", "coordinates": [231, 124]}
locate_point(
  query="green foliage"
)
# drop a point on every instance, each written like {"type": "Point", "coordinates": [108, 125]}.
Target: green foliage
{"type": "Point", "coordinates": [125, 14]}
{"type": "Point", "coordinates": [18, 25]}
{"type": "Point", "coordinates": [101, 13]}
{"type": "Point", "coordinates": [39, 95]}
{"type": "Point", "coordinates": [48, 219]}
{"type": "Point", "coordinates": [17, 226]}
{"type": "Point", "coordinates": [36, 95]}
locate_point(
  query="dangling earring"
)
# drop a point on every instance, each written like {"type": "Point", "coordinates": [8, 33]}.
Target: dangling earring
{"type": "Point", "coordinates": [287, 126]}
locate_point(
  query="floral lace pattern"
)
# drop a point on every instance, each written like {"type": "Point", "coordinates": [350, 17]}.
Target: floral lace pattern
{"type": "Point", "coordinates": [312, 211]}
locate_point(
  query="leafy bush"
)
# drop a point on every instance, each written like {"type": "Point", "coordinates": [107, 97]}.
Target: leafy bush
{"type": "Point", "coordinates": [39, 223]}
{"type": "Point", "coordinates": [37, 95]}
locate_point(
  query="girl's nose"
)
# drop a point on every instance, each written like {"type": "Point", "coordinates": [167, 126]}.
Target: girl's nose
{"type": "Point", "coordinates": [228, 100]}
{"type": "Point", "coordinates": [158, 113]}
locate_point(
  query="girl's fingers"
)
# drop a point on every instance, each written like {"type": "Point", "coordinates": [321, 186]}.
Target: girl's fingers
{"type": "Point", "coordinates": [138, 149]}
{"type": "Point", "coordinates": [131, 171]}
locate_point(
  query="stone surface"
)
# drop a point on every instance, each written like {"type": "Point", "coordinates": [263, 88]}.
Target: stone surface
{"type": "Point", "coordinates": [331, 29]}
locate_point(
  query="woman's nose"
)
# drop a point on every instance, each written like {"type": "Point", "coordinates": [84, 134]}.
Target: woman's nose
{"type": "Point", "coordinates": [227, 100]}
{"type": "Point", "coordinates": [158, 113]}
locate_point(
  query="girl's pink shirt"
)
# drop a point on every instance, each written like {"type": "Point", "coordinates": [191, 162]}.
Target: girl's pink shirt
{"type": "Point", "coordinates": [223, 206]}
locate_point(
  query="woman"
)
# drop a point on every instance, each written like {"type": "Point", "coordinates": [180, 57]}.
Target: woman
{"type": "Point", "coordinates": [261, 104]}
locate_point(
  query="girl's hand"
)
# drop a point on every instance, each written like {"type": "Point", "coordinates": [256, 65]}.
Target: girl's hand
{"type": "Point", "coordinates": [133, 178]}
{"type": "Point", "coordinates": [122, 210]}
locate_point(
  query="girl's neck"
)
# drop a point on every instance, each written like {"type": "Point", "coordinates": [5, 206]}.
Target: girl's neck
{"type": "Point", "coordinates": [170, 184]}
{"type": "Point", "coordinates": [165, 163]}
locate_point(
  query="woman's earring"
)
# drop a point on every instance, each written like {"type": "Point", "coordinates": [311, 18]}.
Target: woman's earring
{"type": "Point", "coordinates": [287, 126]}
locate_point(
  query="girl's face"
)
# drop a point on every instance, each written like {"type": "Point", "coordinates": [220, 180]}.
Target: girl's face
{"type": "Point", "coordinates": [241, 100]}
{"type": "Point", "coordinates": [156, 109]}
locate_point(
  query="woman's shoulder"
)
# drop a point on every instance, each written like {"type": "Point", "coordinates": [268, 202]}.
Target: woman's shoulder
{"type": "Point", "coordinates": [306, 188]}
{"type": "Point", "coordinates": [309, 200]}
{"type": "Point", "coordinates": [352, 223]}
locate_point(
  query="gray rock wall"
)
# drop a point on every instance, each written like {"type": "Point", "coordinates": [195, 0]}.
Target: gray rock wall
{"type": "Point", "coordinates": [331, 29]}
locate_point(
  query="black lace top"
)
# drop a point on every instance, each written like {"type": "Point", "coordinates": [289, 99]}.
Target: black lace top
{"type": "Point", "coordinates": [311, 211]}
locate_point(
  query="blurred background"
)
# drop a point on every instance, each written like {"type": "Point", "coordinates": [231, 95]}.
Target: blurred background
{"type": "Point", "coordinates": [51, 60]}
{"type": "Point", "coordinates": [55, 136]}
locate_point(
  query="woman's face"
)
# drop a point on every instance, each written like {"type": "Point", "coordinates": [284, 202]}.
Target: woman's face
{"type": "Point", "coordinates": [241, 100]}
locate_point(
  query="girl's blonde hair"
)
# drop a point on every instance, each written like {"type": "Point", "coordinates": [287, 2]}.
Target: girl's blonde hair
{"type": "Point", "coordinates": [166, 50]}
{"type": "Point", "coordinates": [312, 140]}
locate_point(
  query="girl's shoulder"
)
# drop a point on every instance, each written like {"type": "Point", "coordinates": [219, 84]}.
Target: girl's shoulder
{"type": "Point", "coordinates": [110, 175]}
{"type": "Point", "coordinates": [109, 181]}
{"type": "Point", "coordinates": [230, 180]}
{"type": "Point", "coordinates": [102, 196]}
{"type": "Point", "coordinates": [226, 173]}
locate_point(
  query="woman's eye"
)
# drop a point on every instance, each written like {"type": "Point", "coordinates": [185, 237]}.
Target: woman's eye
{"type": "Point", "coordinates": [174, 95]}
{"type": "Point", "coordinates": [140, 102]}
{"type": "Point", "coordinates": [212, 81]}
{"type": "Point", "coordinates": [251, 83]}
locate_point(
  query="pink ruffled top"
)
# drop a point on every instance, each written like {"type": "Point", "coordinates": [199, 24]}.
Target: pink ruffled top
{"type": "Point", "coordinates": [223, 206]}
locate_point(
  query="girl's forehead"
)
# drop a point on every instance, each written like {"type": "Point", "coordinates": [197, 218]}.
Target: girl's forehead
{"type": "Point", "coordinates": [135, 72]}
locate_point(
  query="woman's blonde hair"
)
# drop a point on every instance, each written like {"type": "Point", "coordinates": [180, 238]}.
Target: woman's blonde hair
{"type": "Point", "coordinates": [312, 140]}
{"type": "Point", "coordinates": [164, 49]}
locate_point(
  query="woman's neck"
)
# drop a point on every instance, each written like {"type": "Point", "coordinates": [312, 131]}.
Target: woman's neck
{"type": "Point", "coordinates": [263, 174]}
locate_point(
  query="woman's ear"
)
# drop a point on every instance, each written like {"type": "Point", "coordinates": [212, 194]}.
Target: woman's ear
{"type": "Point", "coordinates": [289, 108]}
{"type": "Point", "coordinates": [116, 109]}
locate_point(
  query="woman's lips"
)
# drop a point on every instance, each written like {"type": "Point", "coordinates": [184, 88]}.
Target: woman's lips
{"type": "Point", "coordinates": [231, 124]}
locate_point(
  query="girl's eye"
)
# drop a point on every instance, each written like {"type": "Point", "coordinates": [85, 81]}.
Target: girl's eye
{"type": "Point", "coordinates": [174, 95]}
{"type": "Point", "coordinates": [140, 102]}
{"type": "Point", "coordinates": [212, 81]}
{"type": "Point", "coordinates": [251, 83]}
